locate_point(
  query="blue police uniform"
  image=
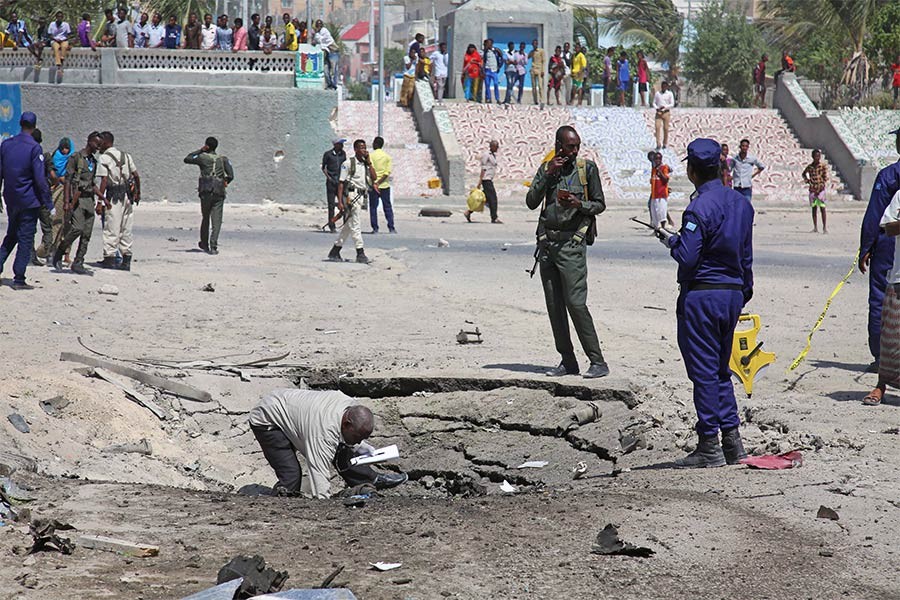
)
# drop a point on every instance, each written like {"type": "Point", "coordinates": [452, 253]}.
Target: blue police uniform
{"type": "Point", "coordinates": [25, 190]}
{"type": "Point", "coordinates": [714, 251]}
{"type": "Point", "coordinates": [880, 246]}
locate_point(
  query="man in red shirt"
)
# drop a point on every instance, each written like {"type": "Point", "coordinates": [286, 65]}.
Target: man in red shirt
{"type": "Point", "coordinates": [895, 69]}
{"type": "Point", "coordinates": [759, 81]}
{"type": "Point", "coordinates": [659, 192]}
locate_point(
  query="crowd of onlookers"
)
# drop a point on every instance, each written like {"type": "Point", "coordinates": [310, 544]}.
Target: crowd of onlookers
{"type": "Point", "coordinates": [120, 30]}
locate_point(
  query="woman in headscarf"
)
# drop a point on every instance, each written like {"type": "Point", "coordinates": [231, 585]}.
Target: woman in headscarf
{"type": "Point", "coordinates": [56, 175]}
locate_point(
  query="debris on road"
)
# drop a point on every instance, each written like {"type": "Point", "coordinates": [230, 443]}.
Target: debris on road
{"type": "Point", "coordinates": [769, 462]}
{"type": "Point", "coordinates": [208, 288]}
{"type": "Point", "coordinates": [609, 544]}
{"type": "Point", "coordinates": [18, 421]}
{"type": "Point", "coordinates": [583, 415]}
{"type": "Point", "coordinates": [141, 447]}
{"type": "Point", "coordinates": [138, 397]}
{"type": "Point", "coordinates": [383, 566]}
{"type": "Point", "coordinates": [326, 583]}
{"type": "Point", "coordinates": [579, 470]}
{"type": "Point", "coordinates": [109, 290]}
{"type": "Point", "coordinates": [508, 488]}
{"type": "Point", "coordinates": [54, 405]}
{"type": "Point", "coordinates": [43, 531]}
{"type": "Point", "coordinates": [108, 544]}
{"type": "Point", "coordinates": [533, 464]}
{"type": "Point", "coordinates": [166, 385]}
{"type": "Point", "coordinates": [223, 591]}
{"type": "Point", "coordinates": [257, 578]}
{"type": "Point", "coordinates": [827, 513]}
{"type": "Point", "coordinates": [435, 212]}
{"type": "Point", "coordinates": [442, 243]}
{"type": "Point", "coordinates": [469, 337]}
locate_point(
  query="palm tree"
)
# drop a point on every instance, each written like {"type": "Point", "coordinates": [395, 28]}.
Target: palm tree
{"type": "Point", "coordinates": [586, 26]}
{"type": "Point", "coordinates": [790, 22]}
{"type": "Point", "coordinates": [180, 8]}
{"type": "Point", "coordinates": [652, 22]}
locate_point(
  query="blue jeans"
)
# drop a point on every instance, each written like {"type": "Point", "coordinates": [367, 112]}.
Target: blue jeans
{"type": "Point", "coordinates": [332, 60]}
{"type": "Point", "coordinates": [20, 230]}
{"type": "Point", "coordinates": [510, 84]}
{"type": "Point", "coordinates": [745, 192]}
{"type": "Point", "coordinates": [385, 197]}
{"type": "Point", "coordinates": [491, 78]}
{"type": "Point", "coordinates": [468, 88]}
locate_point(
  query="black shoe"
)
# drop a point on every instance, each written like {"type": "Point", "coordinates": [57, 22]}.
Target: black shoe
{"type": "Point", "coordinates": [595, 371]}
{"type": "Point", "coordinates": [732, 446]}
{"type": "Point", "coordinates": [20, 285]}
{"type": "Point", "coordinates": [385, 481]}
{"type": "Point", "coordinates": [335, 254]}
{"type": "Point", "coordinates": [108, 262]}
{"type": "Point", "coordinates": [374, 231]}
{"type": "Point", "coordinates": [202, 246]}
{"type": "Point", "coordinates": [392, 230]}
{"type": "Point", "coordinates": [562, 369]}
{"type": "Point", "coordinates": [361, 256]}
{"type": "Point", "coordinates": [78, 267]}
{"type": "Point", "coordinates": [708, 454]}
{"type": "Point", "coordinates": [332, 229]}
{"type": "Point", "coordinates": [56, 261]}
{"type": "Point", "coordinates": [468, 215]}
{"type": "Point", "coordinates": [36, 261]}
{"type": "Point", "coordinates": [126, 263]}
{"type": "Point", "coordinates": [213, 251]}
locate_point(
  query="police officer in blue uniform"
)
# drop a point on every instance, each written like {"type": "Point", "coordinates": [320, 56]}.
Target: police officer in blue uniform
{"type": "Point", "coordinates": [876, 248]}
{"type": "Point", "coordinates": [714, 251]}
{"type": "Point", "coordinates": [25, 190]}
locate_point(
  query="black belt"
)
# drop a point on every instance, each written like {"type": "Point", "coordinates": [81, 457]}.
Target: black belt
{"type": "Point", "coordinates": [693, 287]}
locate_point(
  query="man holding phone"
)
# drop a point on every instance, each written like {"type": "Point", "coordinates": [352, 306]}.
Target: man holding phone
{"type": "Point", "coordinates": [570, 195]}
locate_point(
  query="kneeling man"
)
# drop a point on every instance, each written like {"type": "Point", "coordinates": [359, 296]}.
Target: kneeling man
{"type": "Point", "coordinates": [323, 426]}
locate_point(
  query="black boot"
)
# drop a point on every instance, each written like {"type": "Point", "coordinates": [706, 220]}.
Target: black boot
{"type": "Point", "coordinates": [732, 446]}
{"type": "Point", "coordinates": [78, 267]}
{"type": "Point", "coordinates": [126, 263]}
{"type": "Point", "coordinates": [708, 454]}
{"type": "Point", "coordinates": [335, 254]}
{"type": "Point", "coordinates": [361, 256]}
{"type": "Point", "coordinates": [56, 261]}
{"type": "Point", "coordinates": [108, 262]}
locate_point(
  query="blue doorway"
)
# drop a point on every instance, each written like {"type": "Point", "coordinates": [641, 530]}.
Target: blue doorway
{"type": "Point", "coordinates": [503, 35]}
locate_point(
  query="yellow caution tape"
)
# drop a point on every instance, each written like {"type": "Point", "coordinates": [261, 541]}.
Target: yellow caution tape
{"type": "Point", "coordinates": [821, 318]}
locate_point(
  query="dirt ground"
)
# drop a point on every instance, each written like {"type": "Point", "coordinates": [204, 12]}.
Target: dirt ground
{"type": "Point", "coordinates": [389, 329]}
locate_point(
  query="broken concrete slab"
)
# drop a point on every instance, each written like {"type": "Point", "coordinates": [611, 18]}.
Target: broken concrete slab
{"type": "Point", "coordinates": [142, 399]}
{"type": "Point", "coordinates": [223, 591]}
{"type": "Point", "coordinates": [53, 406]}
{"type": "Point", "coordinates": [140, 447]}
{"type": "Point", "coordinates": [18, 421]}
{"type": "Point", "coordinates": [609, 544]}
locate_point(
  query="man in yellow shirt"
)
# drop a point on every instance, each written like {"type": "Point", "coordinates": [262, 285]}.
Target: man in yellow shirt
{"type": "Point", "coordinates": [381, 190]}
{"type": "Point", "coordinates": [290, 33]}
{"type": "Point", "coordinates": [579, 74]}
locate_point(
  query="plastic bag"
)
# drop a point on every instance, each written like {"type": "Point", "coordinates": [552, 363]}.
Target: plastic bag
{"type": "Point", "coordinates": [476, 200]}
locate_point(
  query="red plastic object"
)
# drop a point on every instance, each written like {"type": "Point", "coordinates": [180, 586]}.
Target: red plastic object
{"type": "Point", "coordinates": [771, 462]}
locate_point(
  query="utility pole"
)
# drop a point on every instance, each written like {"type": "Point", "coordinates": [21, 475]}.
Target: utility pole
{"type": "Point", "coordinates": [380, 67]}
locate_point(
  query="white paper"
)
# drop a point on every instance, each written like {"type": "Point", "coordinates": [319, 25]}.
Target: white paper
{"type": "Point", "coordinates": [383, 566]}
{"type": "Point", "coordinates": [507, 487]}
{"type": "Point", "coordinates": [533, 464]}
{"type": "Point", "coordinates": [380, 455]}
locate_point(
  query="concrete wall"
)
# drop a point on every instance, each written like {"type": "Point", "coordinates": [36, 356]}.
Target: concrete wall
{"type": "Point", "coordinates": [436, 129]}
{"type": "Point", "coordinates": [160, 125]}
{"type": "Point", "coordinates": [816, 129]}
{"type": "Point", "coordinates": [469, 25]}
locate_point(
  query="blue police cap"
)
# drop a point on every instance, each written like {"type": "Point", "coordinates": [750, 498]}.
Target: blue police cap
{"type": "Point", "coordinates": [28, 118]}
{"type": "Point", "coordinates": [704, 152]}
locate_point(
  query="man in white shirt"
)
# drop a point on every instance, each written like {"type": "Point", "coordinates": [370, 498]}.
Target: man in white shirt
{"type": "Point", "coordinates": [124, 30]}
{"type": "Point", "coordinates": [141, 32]}
{"type": "Point", "coordinates": [115, 173]}
{"type": "Point", "coordinates": [325, 427]}
{"type": "Point", "coordinates": [59, 32]}
{"type": "Point", "coordinates": [663, 102]}
{"type": "Point", "coordinates": [356, 179]}
{"type": "Point", "coordinates": [486, 181]}
{"type": "Point", "coordinates": [324, 38]}
{"type": "Point", "coordinates": [440, 63]}
{"type": "Point", "coordinates": [207, 33]}
{"type": "Point", "coordinates": [156, 32]}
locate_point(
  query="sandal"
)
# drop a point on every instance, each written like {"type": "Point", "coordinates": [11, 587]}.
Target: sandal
{"type": "Point", "coordinates": [873, 399]}
{"type": "Point", "coordinates": [468, 216]}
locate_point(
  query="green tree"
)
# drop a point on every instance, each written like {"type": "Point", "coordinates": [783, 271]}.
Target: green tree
{"type": "Point", "coordinates": [883, 43]}
{"type": "Point", "coordinates": [722, 54]}
{"type": "Point", "coordinates": [586, 26]}
{"type": "Point", "coordinates": [180, 8]}
{"type": "Point", "coordinates": [792, 23]}
{"type": "Point", "coordinates": [393, 61]}
{"type": "Point", "coordinates": [652, 23]}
